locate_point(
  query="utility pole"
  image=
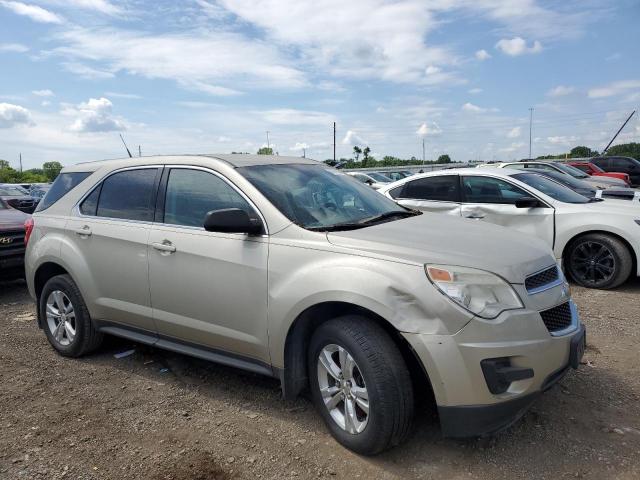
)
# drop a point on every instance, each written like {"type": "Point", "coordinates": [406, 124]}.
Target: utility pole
{"type": "Point", "coordinates": [334, 142]}
{"type": "Point", "coordinates": [423, 152]}
{"type": "Point", "coordinates": [268, 144]}
{"type": "Point", "coordinates": [530, 127]}
{"type": "Point", "coordinates": [617, 133]}
{"type": "Point", "coordinates": [304, 152]}
{"type": "Point", "coordinates": [20, 162]}
{"type": "Point", "coordinates": [139, 151]}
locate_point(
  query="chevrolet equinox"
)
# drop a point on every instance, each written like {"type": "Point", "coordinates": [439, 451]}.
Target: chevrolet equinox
{"type": "Point", "coordinates": [289, 268]}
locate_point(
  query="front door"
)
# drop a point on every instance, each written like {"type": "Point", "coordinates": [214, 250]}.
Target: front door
{"type": "Point", "coordinates": [207, 288]}
{"type": "Point", "coordinates": [493, 200]}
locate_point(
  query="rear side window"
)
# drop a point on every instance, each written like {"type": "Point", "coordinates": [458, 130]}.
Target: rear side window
{"type": "Point", "coordinates": [584, 168]}
{"type": "Point", "coordinates": [445, 188]}
{"type": "Point", "coordinates": [63, 184]}
{"type": "Point", "coordinates": [491, 190]}
{"type": "Point", "coordinates": [129, 195]}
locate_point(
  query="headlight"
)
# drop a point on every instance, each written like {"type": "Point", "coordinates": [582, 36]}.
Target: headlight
{"type": "Point", "coordinates": [482, 293]}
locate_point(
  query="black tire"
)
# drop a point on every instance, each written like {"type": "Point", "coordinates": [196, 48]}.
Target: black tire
{"type": "Point", "coordinates": [598, 260]}
{"type": "Point", "coordinates": [87, 338]}
{"type": "Point", "coordinates": [387, 379]}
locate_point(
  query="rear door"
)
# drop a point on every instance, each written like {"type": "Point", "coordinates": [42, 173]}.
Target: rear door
{"type": "Point", "coordinates": [207, 288]}
{"type": "Point", "coordinates": [108, 238]}
{"type": "Point", "coordinates": [493, 200]}
{"type": "Point", "coordinates": [437, 194]}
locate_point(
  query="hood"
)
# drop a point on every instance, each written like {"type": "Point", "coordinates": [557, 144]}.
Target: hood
{"type": "Point", "coordinates": [436, 238]}
{"type": "Point", "coordinates": [606, 181]}
{"type": "Point", "coordinates": [12, 219]}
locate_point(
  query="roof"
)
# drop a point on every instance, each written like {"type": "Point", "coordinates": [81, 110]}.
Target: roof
{"type": "Point", "coordinates": [234, 159]}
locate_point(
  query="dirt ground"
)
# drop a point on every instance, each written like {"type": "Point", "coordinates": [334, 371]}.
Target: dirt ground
{"type": "Point", "coordinates": [159, 415]}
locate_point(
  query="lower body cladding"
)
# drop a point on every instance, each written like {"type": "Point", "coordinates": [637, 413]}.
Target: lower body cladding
{"type": "Point", "coordinates": [486, 376]}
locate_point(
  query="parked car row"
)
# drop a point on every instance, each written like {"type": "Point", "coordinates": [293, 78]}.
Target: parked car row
{"type": "Point", "coordinates": [377, 180]}
{"type": "Point", "coordinates": [289, 268]}
{"type": "Point", "coordinates": [598, 239]}
{"type": "Point", "coordinates": [17, 197]}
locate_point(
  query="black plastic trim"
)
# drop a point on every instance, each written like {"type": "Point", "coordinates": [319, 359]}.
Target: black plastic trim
{"type": "Point", "coordinates": [499, 374]}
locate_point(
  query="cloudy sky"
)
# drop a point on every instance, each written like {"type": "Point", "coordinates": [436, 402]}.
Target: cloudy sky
{"type": "Point", "coordinates": [215, 76]}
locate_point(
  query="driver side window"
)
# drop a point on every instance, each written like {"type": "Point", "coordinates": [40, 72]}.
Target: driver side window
{"type": "Point", "coordinates": [491, 190]}
{"type": "Point", "coordinates": [192, 193]}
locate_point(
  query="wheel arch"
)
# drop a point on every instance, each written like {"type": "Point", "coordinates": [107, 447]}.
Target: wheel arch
{"type": "Point", "coordinates": [43, 273]}
{"type": "Point", "coordinates": [630, 247]}
{"type": "Point", "coordinates": [293, 376]}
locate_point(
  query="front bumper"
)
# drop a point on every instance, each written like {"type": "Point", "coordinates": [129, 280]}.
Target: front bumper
{"type": "Point", "coordinates": [466, 404]}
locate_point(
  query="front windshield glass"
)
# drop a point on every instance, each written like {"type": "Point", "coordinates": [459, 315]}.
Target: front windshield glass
{"type": "Point", "coordinates": [573, 171]}
{"type": "Point", "coordinates": [568, 181]}
{"type": "Point", "coordinates": [551, 188]}
{"type": "Point", "coordinates": [320, 198]}
{"type": "Point", "coordinates": [11, 190]}
{"type": "Point", "coordinates": [378, 177]}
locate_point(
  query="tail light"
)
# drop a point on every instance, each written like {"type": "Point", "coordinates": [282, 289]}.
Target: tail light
{"type": "Point", "coordinates": [28, 228]}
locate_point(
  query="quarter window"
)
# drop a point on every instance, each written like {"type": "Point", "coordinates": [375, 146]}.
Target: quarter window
{"type": "Point", "coordinates": [193, 193]}
{"type": "Point", "coordinates": [128, 195]}
{"type": "Point", "coordinates": [445, 188]}
{"type": "Point", "coordinates": [491, 190]}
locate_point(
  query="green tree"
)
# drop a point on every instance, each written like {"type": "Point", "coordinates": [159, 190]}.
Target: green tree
{"type": "Point", "coordinates": [51, 170]}
{"type": "Point", "coordinates": [625, 150]}
{"type": "Point", "coordinates": [265, 151]}
{"type": "Point", "coordinates": [444, 159]}
{"type": "Point", "coordinates": [357, 151]}
{"type": "Point", "coordinates": [4, 164]}
{"type": "Point", "coordinates": [582, 151]}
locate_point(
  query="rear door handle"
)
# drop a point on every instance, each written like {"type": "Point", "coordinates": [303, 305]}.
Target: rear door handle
{"type": "Point", "coordinates": [474, 215]}
{"type": "Point", "coordinates": [165, 246]}
{"type": "Point", "coordinates": [84, 231]}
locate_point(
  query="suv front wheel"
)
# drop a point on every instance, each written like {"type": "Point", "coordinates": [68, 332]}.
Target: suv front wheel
{"type": "Point", "coordinates": [360, 384]}
{"type": "Point", "coordinates": [65, 318]}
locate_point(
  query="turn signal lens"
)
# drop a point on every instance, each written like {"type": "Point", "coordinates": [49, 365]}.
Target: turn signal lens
{"type": "Point", "coordinates": [439, 275]}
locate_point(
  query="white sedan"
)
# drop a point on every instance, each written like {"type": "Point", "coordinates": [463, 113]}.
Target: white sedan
{"type": "Point", "coordinates": [599, 240]}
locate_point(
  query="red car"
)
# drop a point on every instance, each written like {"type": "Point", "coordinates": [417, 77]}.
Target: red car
{"type": "Point", "coordinates": [595, 171]}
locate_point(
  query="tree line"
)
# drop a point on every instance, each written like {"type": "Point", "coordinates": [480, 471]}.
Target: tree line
{"type": "Point", "coordinates": [622, 150]}
{"type": "Point", "coordinates": [46, 174]}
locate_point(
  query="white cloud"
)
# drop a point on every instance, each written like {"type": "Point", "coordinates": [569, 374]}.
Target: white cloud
{"type": "Point", "coordinates": [482, 55]}
{"type": "Point", "coordinates": [289, 116]}
{"type": "Point", "coordinates": [470, 107]}
{"type": "Point", "coordinates": [352, 138]}
{"type": "Point", "coordinates": [12, 115]}
{"type": "Point", "coordinates": [560, 91]}
{"type": "Point", "coordinates": [34, 12]}
{"type": "Point", "coordinates": [223, 139]}
{"type": "Point", "coordinates": [195, 60]}
{"type": "Point", "coordinates": [517, 46]}
{"type": "Point", "coordinates": [13, 47]}
{"type": "Point", "coordinates": [475, 91]}
{"type": "Point", "coordinates": [45, 103]}
{"type": "Point", "coordinates": [299, 147]}
{"type": "Point", "coordinates": [432, 70]}
{"type": "Point", "coordinates": [86, 72]}
{"type": "Point", "coordinates": [614, 88]}
{"type": "Point", "coordinates": [515, 132]}
{"type": "Point", "coordinates": [95, 116]}
{"type": "Point", "coordinates": [562, 140]}
{"type": "Point", "coordinates": [513, 147]}
{"type": "Point", "coordinates": [101, 6]}
{"type": "Point", "coordinates": [129, 96]}
{"type": "Point", "coordinates": [427, 130]}
{"type": "Point", "coordinates": [43, 93]}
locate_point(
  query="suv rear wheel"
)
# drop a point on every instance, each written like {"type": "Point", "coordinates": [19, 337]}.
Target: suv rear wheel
{"type": "Point", "coordinates": [360, 384]}
{"type": "Point", "coordinates": [598, 260]}
{"type": "Point", "coordinates": [65, 317]}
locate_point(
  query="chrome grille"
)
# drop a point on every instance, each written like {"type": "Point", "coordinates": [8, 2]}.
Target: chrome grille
{"type": "Point", "coordinates": [557, 318]}
{"type": "Point", "coordinates": [541, 279]}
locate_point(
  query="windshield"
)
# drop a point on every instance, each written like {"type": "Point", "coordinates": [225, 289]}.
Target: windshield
{"type": "Point", "coordinates": [11, 190]}
{"type": "Point", "coordinates": [320, 198]}
{"type": "Point", "coordinates": [378, 177]}
{"type": "Point", "coordinates": [596, 168]}
{"type": "Point", "coordinates": [569, 181]}
{"type": "Point", "coordinates": [573, 171]}
{"type": "Point", "coordinates": [551, 188]}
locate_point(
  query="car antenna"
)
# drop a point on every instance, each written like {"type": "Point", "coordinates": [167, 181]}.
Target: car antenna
{"type": "Point", "coordinates": [125, 146]}
{"type": "Point", "coordinates": [618, 132]}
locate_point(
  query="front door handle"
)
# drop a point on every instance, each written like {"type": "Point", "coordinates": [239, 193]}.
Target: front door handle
{"type": "Point", "coordinates": [165, 246]}
{"type": "Point", "coordinates": [85, 231]}
{"type": "Point", "coordinates": [477, 216]}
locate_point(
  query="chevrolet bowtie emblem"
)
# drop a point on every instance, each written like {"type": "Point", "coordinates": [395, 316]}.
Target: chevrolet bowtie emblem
{"type": "Point", "coordinates": [5, 240]}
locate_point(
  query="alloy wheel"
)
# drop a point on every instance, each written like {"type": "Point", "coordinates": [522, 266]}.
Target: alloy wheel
{"type": "Point", "coordinates": [61, 317]}
{"type": "Point", "coordinates": [343, 389]}
{"type": "Point", "coordinates": [592, 263]}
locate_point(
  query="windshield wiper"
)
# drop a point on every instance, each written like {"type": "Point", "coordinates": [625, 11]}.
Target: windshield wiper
{"type": "Point", "coordinates": [337, 227]}
{"type": "Point", "coordinates": [388, 215]}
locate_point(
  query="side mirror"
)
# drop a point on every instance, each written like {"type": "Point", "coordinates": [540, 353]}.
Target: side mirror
{"type": "Point", "coordinates": [232, 220]}
{"type": "Point", "coordinates": [369, 182]}
{"type": "Point", "coordinates": [527, 202]}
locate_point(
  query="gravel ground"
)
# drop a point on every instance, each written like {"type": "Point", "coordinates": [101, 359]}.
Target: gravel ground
{"type": "Point", "coordinates": [158, 415]}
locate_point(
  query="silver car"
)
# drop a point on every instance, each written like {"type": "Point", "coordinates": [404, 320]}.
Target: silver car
{"type": "Point", "coordinates": [288, 268]}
